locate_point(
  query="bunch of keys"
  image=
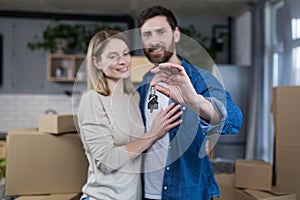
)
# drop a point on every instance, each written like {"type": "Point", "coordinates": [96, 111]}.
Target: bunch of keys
{"type": "Point", "coordinates": [153, 100]}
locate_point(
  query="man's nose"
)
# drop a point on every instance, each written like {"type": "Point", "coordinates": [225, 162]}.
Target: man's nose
{"type": "Point", "coordinates": [154, 43]}
{"type": "Point", "coordinates": [155, 40]}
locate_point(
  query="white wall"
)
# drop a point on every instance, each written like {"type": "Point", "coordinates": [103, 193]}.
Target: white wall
{"type": "Point", "coordinates": [242, 40]}
{"type": "Point", "coordinates": [22, 110]}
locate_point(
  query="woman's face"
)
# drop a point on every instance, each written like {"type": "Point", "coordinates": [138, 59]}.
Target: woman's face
{"type": "Point", "coordinates": [115, 60]}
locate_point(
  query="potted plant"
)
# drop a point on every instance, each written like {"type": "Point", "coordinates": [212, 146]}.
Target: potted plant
{"type": "Point", "coordinates": [67, 38]}
{"type": "Point", "coordinates": [86, 33]}
{"type": "Point", "coordinates": [56, 39]}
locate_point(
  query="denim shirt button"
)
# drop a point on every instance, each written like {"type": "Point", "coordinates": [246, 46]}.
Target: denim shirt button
{"type": "Point", "coordinates": [168, 168]}
{"type": "Point", "coordinates": [165, 188]}
{"type": "Point", "coordinates": [183, 108]}
{"type": "Point", "coordinates": [170, 147]}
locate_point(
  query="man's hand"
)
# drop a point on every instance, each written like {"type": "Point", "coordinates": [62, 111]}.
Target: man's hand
{"type": "Point", "coordinates": [180, 88]}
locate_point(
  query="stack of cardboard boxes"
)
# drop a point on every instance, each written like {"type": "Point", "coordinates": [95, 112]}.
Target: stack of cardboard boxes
{"type": "Point", "coordinates": [230, 192]}
{"type": "Point", "coordinates": [280, 181]}
{"type": "Point", "coordinates": [286, 109]}
{"type": "Point", "coordinates": [252, 181]}
{"type": "Point", "coordinates": [47, 162]}
{"type": "Point", "coordinates": [50, 163]}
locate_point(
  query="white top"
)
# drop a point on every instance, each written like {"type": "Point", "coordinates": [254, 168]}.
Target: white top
{"type": "Point", "coordinates": [156, 157]}
{"type": "Point", "coordinates": [106, 124]}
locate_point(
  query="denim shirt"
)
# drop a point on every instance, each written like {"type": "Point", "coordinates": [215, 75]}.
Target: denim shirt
{"type": "Point", "coordinates": [188, 173]}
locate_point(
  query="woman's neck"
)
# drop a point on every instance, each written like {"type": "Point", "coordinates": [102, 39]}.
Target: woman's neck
{"type": "Point", "coordinates": [116, 87]}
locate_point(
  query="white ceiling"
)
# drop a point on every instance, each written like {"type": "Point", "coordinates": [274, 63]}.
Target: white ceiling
{"type": "Point", "coordinates": [133, 7]}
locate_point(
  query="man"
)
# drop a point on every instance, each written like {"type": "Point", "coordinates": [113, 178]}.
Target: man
{"type": "Point", "coordinates": [174, 167]}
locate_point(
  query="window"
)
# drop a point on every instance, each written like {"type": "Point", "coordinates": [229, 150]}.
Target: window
{"type": "Point", "coordinates": [282, 58]}
{"type": "Point", "coordinates": [277, 69]}
{"type": "Point", "coordinates": [296, 64]}
{"type": "Point", "coordinates": [277, 35]}
{"type": "Point", "coordinates": [278, 22]}
{"type": "Point", "coordinates": [295, 28]}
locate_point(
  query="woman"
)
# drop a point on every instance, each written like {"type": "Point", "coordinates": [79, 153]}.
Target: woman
{"type": "Point", "coordinates": [110, 122]}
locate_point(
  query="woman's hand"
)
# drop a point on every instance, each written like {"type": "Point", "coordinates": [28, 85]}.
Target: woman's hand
{"type": "Point", "coordinates": [165, 121]}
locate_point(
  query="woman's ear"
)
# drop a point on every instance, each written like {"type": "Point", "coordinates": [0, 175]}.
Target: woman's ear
{"type": "Point", "coordinates": [96, 62]}
{"type": "Point", "coordinates": [177, 35]}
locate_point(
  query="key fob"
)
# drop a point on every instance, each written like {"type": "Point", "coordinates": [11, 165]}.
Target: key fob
{"type": "Point", "coordinates": [152, 100]}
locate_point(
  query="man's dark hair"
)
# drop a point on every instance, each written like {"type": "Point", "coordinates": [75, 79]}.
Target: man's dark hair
{"type": "Point", "coordinates": [157, 11]}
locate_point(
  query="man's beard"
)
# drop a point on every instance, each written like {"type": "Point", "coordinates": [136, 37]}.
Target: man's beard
{"type": "Point", "coordinates": [157, 59]}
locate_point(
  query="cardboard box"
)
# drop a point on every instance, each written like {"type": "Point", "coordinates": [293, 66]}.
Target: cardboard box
{"type": "Point", "coordinates": [253, 174]}
{"type": "Point", "coordinates": [42, 163]}
{"type": "Point", "coordinates": [51, 197]}
{"type": "Point", "coordinates": [272, 195]}
{"type": "Point", "coordinates": [287, 168]}
{"type": "Point", "coordinates": [57, 124]}
{"type": "Point", "coordinates": [229, 192]}
{"type": "Point", "coordinates": [286, 109]}
{"type": "Point", "coordinates": [227, 189]}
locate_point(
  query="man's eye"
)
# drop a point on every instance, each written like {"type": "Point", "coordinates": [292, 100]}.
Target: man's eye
{"type": "Point", "coordinates": [147, 34]}
{"type": "Point", "coordinates": [161, 32]}
{"type": "Point", "coordinates": [126, 54]}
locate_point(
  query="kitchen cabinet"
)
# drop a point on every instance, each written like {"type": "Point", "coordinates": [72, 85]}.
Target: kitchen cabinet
{"type": "Point", "coordinates": [65, 67]}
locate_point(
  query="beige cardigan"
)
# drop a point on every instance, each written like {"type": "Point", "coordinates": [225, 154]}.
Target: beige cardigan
{"type": "Point", "coordinates": [106, 125]}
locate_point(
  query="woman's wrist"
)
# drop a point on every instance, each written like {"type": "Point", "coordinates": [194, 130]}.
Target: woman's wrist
{"type": "Point", "coordinates": [151, 137]}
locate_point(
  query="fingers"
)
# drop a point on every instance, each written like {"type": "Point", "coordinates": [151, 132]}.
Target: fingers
{"type": "Point", "coordinates": [166, 70]}
{"type": "Point", "coordinates": [174, 124]}
{"type": "Point", "coordinates": [170, 116]}
{"type": "Point", "coordinates": [164, 90]}
{"type": "Point", "coordinates": [174, 117]}
{"type": "Point", "coordinates": [169, 73]}
{"type": "Point", "coordinates": [174, 68]}
{"type": "Point", "coordinates": [172, 111]}
{"type": "Point", "coordinates": [167, 67]}
{"type": "Point", "coordinates": [158, 79]}
{"type": "Point", "coordinates": [170, 107]}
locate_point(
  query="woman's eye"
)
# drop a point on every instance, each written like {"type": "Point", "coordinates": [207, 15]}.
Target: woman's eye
{"type": "Point", "coordinates": [112, 57]}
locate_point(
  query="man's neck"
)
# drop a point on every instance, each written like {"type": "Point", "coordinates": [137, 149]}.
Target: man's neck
{"type": "Point", "coordinates": [174, 59]}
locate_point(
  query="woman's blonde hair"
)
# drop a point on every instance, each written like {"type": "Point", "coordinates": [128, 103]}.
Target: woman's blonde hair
{"type": "Point", "coordinates": [96, 78]}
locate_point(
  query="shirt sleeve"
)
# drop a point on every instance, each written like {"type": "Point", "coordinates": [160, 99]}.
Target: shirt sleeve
{"type": "Point", "coordinates": [234, 119]}
{"type": "Point", "coordinates": [97, 135]}
{"type": "Point", "coordinates": [231, 116]}
{"type": "Point", "coordinates": [208, 128]}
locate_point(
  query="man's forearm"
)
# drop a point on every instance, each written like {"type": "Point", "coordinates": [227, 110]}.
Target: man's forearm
{"type": "Point", "coordinates": [205, 109]}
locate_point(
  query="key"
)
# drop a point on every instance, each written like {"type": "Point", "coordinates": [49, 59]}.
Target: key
{"type": "Point", "coordinates": [153, 100]}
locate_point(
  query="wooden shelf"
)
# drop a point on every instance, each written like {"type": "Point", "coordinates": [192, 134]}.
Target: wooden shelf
{"type": "Point", "coordinates": [70, 64]}
{"type": "Point", "coordinates": [65, 67]}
